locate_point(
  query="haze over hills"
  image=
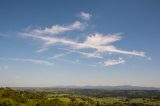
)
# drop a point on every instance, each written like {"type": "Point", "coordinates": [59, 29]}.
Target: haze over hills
{"type": "Point", "coordinates": [121, 87]}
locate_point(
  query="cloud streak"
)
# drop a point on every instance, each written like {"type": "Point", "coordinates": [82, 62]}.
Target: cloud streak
{"type": "Point", "coordinates": [59, 29]}
{"type": "Point", "coordinates": [87, 54]}
{"type": "Point", "coordinates": [34, 61]}
{"type": "Point", "coordinates": [102, 43]}
{"type": "Point", "coordinates": [97, 43]}
{"type": "Point", "coordinates": [112, 62]}
{"type": "Point", "coordinates": [59, 55]}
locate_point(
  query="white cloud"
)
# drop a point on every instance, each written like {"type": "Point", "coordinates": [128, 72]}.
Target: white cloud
{"type": "Point", "coordinates": [69, 61]}
{"type": "Point", "coordinates": [111, 62]}
{"type": "Point", "coordinates": [87, 54]}
{"type": "Point", "coordinates": [35, 61]}
{"type": "Point", "coordinates": [58, 29]}
{"type": "Point", "coordinates": [43, 49]}
{"type": "Point", "coordinates": [99, 39]}
{"type": "Point", "coordinates": [90, 55]}
{"type": "Point", "coordinates": [102, 43]}
{"type": "Point", "coordinates": [85, 16]}
{"type": "Point", "coordinates": [59, 55]}
{"type": "Point", "coordinates": [99, 44]}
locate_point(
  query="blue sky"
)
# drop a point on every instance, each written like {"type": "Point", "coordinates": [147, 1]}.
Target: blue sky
{"type": "Point", "coordinates": [107, 42]}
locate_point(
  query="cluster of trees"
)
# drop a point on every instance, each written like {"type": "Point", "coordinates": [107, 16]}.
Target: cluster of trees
{"type": "Point", "coordinates": [10, 97]}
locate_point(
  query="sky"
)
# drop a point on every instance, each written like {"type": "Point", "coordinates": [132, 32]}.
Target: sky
{"type": "Point", "coordinates": [47, 43]}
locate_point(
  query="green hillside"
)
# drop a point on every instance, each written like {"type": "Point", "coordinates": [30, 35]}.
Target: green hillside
{"type": "Point", "coordinates": [79, 97]}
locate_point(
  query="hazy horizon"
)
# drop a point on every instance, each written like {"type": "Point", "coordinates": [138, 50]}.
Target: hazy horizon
{"type": "Point", "coordinates": [78, 43]}
{"type": "Point", "coordinates": [80, 86]}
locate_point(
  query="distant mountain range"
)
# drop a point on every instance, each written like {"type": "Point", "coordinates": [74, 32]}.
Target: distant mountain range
{"type": "Point", "coordinates": [122, 87]}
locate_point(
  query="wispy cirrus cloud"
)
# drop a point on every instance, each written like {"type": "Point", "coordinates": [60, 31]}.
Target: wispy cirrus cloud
{"type": "Point", "coordinates": [34, 61]}
{"type": "Point", "coordinates": [102, 43]}
{"type": "Point", "coordinates": [85, 15]}
{"type": "Point", "coordinates": [87, 54]}
{"type": "Point", "coordinates": [57, 56]}
{"type": "Point", "coordinates": [76, 61]}
{"type": "Point", "coordinates": [59, 29]}
{"type": "Point", "coordinates": [112, 62]}
{"type": "Point", "coordinates": [30, 60]}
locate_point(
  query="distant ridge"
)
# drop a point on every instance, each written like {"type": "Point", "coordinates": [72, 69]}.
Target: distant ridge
{"type": "Point", "coordinates": [122, 87]}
